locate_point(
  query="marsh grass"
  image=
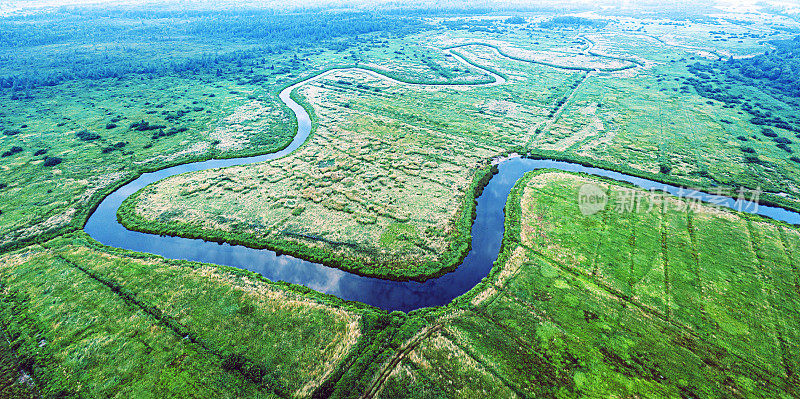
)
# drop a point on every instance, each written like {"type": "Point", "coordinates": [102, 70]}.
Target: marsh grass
{"type": "Point", "coordinates": [663, 303]}
{"type": "Point", "coordinates": [387, 153]}
{"type": "Point", "coordinates": [172, 325]}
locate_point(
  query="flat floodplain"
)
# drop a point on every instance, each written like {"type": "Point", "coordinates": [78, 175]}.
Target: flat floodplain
{"type": "Point", "coordinates": [618, 304]}
{"type": "Point", "coordinates": [114, 324]}
{"type": "Point", "coordinates": [671, 299]}
{"type": "Point", "coordinates": [381, 185]}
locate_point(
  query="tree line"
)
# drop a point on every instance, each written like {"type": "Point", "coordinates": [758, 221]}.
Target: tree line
{"type": "Point", "coordinates": [166, 42]}
{"type": "Point", "coordinates": [778, 69]}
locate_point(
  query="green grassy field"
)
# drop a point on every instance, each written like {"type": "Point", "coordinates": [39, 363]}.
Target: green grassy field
{"type": "Point", "coordinates": [72, 131]}
{"type": "Point", "coordinates": [386, 154]}
{"type": "Point", "coordinates": [659, 303]}
{"type": "Point", "coordinates": [89, 128]}
{"type": "Point", "coordinates": [611, 304]}
{"type": "Point", "coordinates": [616, 305]}
{"type": "Point", "coordinates": [90, 321]}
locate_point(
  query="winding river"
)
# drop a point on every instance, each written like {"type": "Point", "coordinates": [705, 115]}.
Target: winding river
{"type": "Point", "coordinates": [487, 231]}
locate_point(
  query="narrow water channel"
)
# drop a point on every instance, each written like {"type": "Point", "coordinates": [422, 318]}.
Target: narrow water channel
{"type": "Point", "coordinates": [487, 233]}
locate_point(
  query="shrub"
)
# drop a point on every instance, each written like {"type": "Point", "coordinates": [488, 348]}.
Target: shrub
{"type": "Point", "coordinates": [752, 159]}
{"type": "Point", "coordinates": [664, 169]}
{"type": "Point", "coordinates": [233, 362]}
{"type": "Point", "coordinates": [52, 161]}
{"type": "Point", "coordinates": [782, 140]}
{"type": "Point", "coordinates": [795, 159]}
{"type": "Point", "coordinates": [12, 132]}
{"type": "Point", "coordinates": [111, 125]}
{"type": "Point", "coordinates": [169, 132]}
{"type": "Point", "coordinates": [742, 138]}
{"type": "Point", "coordinates": [113, 147]}
{"type": "Point", "coordinates": [785, 148]}
{"type": "Point", "coordinates": [255, 373]}
{"type": "Point", "coordinates": [13, 150]}
{"type": "Point", "coordinates": [570, 21]}
{"type": "Point", "coordinates": [143, 126]}
{"type": "Point", "coordinates": [41, 151]}
{"type": "Point", "coordinates": [748, 150]}
{"type": "Point", "coordinates": [86, 135]}
{"type": "Point", "coordinates": [768, 132]}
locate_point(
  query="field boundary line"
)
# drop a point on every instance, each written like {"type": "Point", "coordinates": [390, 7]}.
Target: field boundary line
{"type": "Point", "coordinates": [479, 359]}
{"type": "Point", "coordinates": [760, 371]}
{"type": "Point", "coordinates": [34, 389]}
{"type": "Point", "coordinates": [690, 226]}
{"type": "Point", "coordinates": [178, 328]}
{"type": "Point", "coordinates": [665, 262]}
{"type": "Point", "coordinates": [391, 364]}
{"type": "Point", "coordinates": [768, 289]}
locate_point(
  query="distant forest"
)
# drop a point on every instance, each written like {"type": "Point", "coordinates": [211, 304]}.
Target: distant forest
{"type": "Point", "coordinates": [779, 68]}
{"type": "Point", "coordinates": [775, 72]}
{"type": "Point", "coordinates": [48, 49]}
{"type": "Point", "coordinates": [569, 21]}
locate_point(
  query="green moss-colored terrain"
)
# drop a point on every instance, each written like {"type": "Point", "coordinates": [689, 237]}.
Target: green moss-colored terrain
{"type": "Point", "coordinates": [91, 321]}
{"type": "Point", "coordinates": [611, 304]}
{"type": "Point", "coordinates": [616, 305]}
{"type": "Point", "coordinates": [386, 152]}
{"type": "Point", "coordinates": [670, 299]}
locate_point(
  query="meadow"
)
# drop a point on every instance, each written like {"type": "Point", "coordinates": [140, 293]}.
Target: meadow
{"type": "Point", "coordinates": [620, 304]}
{"type": "Point", "coordinates": [380, 197]}
{"type": "Point", "coordinates": [384, 185]}
{"type": "Point", "coordinates": [677, 301]}
{"type": "Point", "coordinates": [109, 101]}
{"type": "Point", "coordinates": [674, 300]}
{"type": "Point", "coordinates": [92, 321]}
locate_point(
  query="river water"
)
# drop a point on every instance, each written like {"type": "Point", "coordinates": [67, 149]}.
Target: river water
{"type": "Point", "coordinates": [487, 233]}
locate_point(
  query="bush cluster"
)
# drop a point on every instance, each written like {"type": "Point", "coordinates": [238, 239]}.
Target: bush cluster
{"type": "Point", "coordinates": [86, 135]}
{"type": "Point", "coordinates": [52, 161]}
{"type": "Point", "coordinates": [13, 150]}
{"type": "Point", "coordinates": [143, 126]}
{"type": "Point", "coordinates": [112, 147]}
{"type": "Point", "coordinates": [169, 132]}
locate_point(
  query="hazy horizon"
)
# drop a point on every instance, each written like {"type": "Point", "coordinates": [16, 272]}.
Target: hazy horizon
{"type": "Point", "coordinates": [367, 4]}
